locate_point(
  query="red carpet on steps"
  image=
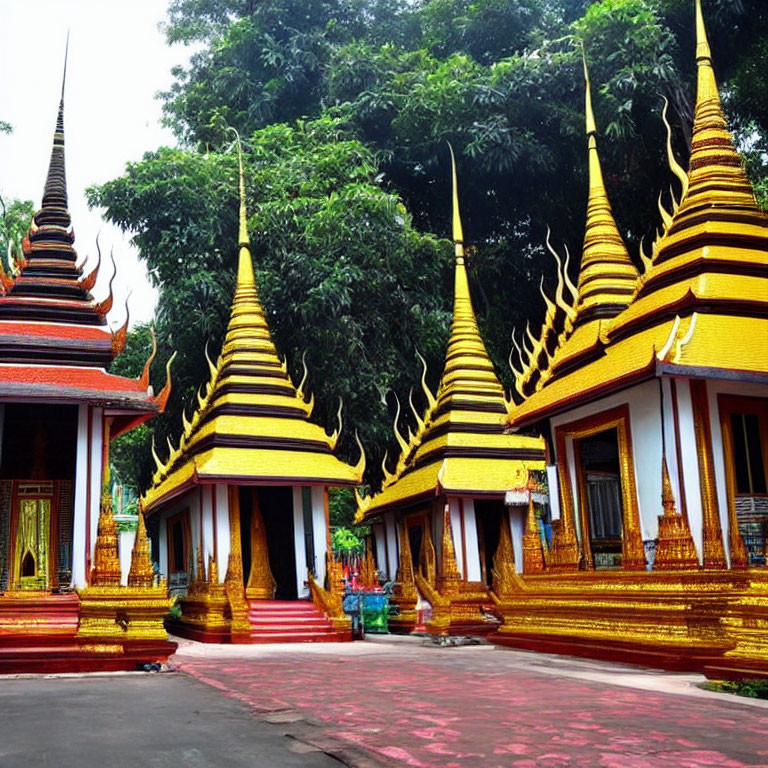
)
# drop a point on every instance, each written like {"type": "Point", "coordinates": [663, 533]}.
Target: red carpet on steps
{"type": "Point", "coordinates": [291, 621]}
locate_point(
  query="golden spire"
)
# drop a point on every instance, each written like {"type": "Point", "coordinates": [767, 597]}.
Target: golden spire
{"type": "Point", "coordinates": [504, 560]}
{"type": "Point", "coordinates": [462, 426]}
{"type": "Point", "coordinates": [675, 550]}
{"type": "Point", "coordinates": [448, 582]}
{"type": "Point", "coordinates": [533, 555]}
{"type": "Point", "coordinates": [142, 574]}
{"type": "Point", "coordinates": [106, 562]}
{"type": "Point", "coordinates": [468, 366]}
{"type": "Point", "coordinates": [251, 422]}
{"type": "Point", "coordinates": [245, 262]}
{"type": "Point", "coordinates": [607, 277]}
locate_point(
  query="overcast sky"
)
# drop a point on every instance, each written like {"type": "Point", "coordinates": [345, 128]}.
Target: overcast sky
{"type": "Point", "coordinates": [118, 60]}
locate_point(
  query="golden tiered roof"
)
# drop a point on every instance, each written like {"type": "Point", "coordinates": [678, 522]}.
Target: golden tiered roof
{"type": "Point", "coordinates": [252, 425]}
{"type": "Point", "coordinates": [459, 447]}
{"type": "Point", "coordinates": [701, 308]}
{"type": "Point", "coordinates": [607, 281]}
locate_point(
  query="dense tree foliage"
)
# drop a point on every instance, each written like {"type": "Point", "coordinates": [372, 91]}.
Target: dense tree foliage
{"type": "Point", "coordinates": [347, 105]}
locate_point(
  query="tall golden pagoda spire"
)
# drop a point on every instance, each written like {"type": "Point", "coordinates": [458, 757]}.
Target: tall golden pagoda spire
{"type": "Point", "coordinates": [468, 367]}
{"type": "Point", "coordinates": [704, 288]}
{"type": "Point", "coordinates": [607, 277]}
{"type": "Point", "coordinates": [464, 422]}
{"type": "Point", "coordinates": [252, 423]}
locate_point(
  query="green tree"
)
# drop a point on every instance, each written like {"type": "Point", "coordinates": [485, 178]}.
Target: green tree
{"type": "Point", "coordinates": [15, 218]}
{"type": "Point", "coordinates": [346, 280]}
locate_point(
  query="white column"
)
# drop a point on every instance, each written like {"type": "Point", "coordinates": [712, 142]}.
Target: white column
{"type": "Point", "coordinates": [299, 547]}
{"type": "Point", "coordinates": [392, 544]}
{"type": "Point", "coordinates": [162, 544]}
{"type": "Point", "coordinates": [125, 549]}
{"type": "Point", "coordinates": [97, 444]}
{"type": "Point", "coordinates": [195, 524]}
{"type": "Point", "coordinates": [517, 515]}
{"type": "Point", "coordinates": [205, 500]}
{"type": "Point", "coordinates": [470, 541]}
{"type": "Point", "coordinates": [81, 483]}
{"type": "Point", "coordinates": [718, 458]}
{"type": "Point", "coordinates": [319, 531]}
{"type": "Point", "coordinates": [221, 497]}
{"type": "Point", "coordinates": [381, 548]}
{"type": "Point", "coordinates": [456, 531]}
{"type": "Point", "coordinates": [690, 465]}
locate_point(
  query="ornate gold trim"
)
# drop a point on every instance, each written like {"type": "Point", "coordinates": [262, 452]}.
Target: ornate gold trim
{"type": "Point", "coordinates": [728, 404]}
{"type": "Point", "coordinates": [633, 556]}
{"type": "Point", "coordinates": [714, 551]}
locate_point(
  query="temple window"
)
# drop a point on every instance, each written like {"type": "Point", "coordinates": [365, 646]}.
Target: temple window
{"type": "Point", "coordinates": [603, 504]}
{"type": "Point", "coordinates": [744, 423]}
{"type": "Point", "coordinates": [178, 550]}
{"type": "Point", "coordinates": [600, 490]}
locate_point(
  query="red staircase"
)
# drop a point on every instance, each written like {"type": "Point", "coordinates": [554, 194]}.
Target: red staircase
{"type": "Point", "coordinates": [291, 621]}
{"type": "Point", "coordinates": [37, 632]}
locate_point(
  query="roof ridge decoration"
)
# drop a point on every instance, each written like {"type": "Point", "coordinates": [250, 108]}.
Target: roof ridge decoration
{"type": "Point", "coordinates": [251, 422]}
{"type": "Point", "coordinates": [465, 420]}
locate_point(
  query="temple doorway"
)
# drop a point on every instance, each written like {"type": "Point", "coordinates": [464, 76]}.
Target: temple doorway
{"type": "Point", "coordinates": [488, 518]}
{"type": "Point", "coordinates": [37, 473]}
{"type": "Point", "coordinates": [600, 495]}
{"type": "Point", "coordinates": [276, 504]}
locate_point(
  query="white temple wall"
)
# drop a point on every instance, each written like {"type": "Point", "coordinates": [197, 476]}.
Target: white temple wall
{"type": "Point", "coordinates": [319, 531]}
{"type": "Point", "coordinates": [96, 470]}
{"type": "Point", "coordinates": [471, 546]}
{"type": "Point", "coordinates": [517, 514]}
{"type": "Point", "coordinates": [454, 504]}
{"type": "Point", "coordinates": [298, 542]}
{"type": "Point", "coordinates": [392, 544]}
{"type": "Point", "coordinates": [645, 429]}
{"type": "Point", "coordinates": [379, 533]}
{"type": "Point", "coordinates": [220, 498]}
{"type": "Point", "coordinates": [205, 501]}
{"type": "Point", "coordinates": [162, 546]}
{"type": "Point", "coordinates": [125, 540]}
{"type": "Point", "coordinates": [81, 486]}
{"type": "Point", "coordinates": [690, 463]}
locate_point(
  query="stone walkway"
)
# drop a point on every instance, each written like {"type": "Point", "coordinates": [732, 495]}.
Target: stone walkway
{"type": "Point", "coordinates": [406, 703]}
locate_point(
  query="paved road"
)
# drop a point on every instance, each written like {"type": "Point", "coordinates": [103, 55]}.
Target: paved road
{"type": "Point", "coordinates": [138, 721]}
{"type": "Point", "coordinates": [482, 707]}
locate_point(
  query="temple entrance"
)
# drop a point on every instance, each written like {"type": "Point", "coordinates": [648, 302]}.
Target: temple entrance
{"type": "Point", "coordinates": [415, 535]}
{"type": "Point", "coordinates": [276, 504]}
{"type": "Point", "coordinates": [599, 474]}
{"type": "Point", "coordinates": [31, 561]}
{"type": "Point", "coordinates": [488, 519]}
{"type": "Point", "coordinates": [36, 505]}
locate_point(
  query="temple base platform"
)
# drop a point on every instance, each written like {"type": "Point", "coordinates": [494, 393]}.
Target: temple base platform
{"type": "Point", "coordinates": [715, 622]}
{"type": "Point", "coordinates": [270, 621]}
{"type": "Point", "coordinates": [43, 633]}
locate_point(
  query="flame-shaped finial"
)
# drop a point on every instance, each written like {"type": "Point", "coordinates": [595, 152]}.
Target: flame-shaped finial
{"type": "Point", "coordinates": [458, 231]}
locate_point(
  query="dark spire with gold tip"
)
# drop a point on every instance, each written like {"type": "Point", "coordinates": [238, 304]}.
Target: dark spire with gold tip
{"type": "Point", "coordinates": [50, 287]}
